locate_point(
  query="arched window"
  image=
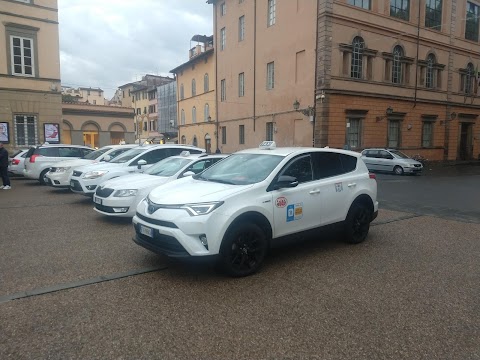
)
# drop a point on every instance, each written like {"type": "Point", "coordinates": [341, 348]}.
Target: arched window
{"type": "Point", "coordinates": [184, 139]}
{"type": "Point", "coordinates": [195, 141]}
{"type": "Point", "coordinates": [182, 119]}
{"type": "Point", "coordinates": [182, 93]}
{"type": "Point", "coordinates": [430, 76]}
{"type": "Point", "coordinates": [194, 115]}
{"type": "Point", "coordinates": [194, 87]}
{"type": "Point", "coordinates": [357, 58]}
{"type": "Point", "coordinates": [469, 78]}
{"type": "Point", "coordinates": [397, 71]}
{"type": "Point", "coordinates": [206, 112]}
{"type": "Point", "coordinates": [205, 83]}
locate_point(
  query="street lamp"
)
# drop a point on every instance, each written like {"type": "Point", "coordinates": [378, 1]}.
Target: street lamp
{"type": "Point", "coordinates": [308, 111]}
{"type": "Point", "coordinates": [388, 112]}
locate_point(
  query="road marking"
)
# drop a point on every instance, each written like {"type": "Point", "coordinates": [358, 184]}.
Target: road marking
{"type": "Point", "coordinates": [77, 284]}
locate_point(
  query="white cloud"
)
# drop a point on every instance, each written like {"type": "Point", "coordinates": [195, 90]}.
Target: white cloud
{"type": "Point", "coordinates": [107, 43]}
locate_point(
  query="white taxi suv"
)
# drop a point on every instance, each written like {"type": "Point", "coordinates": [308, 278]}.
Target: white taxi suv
{"type": "Point", "coordinates": [237, 209]}
{"type": "Point", "coordinates": [59, 174]}
{"type": "Point", "coordinates": [120, 196]}
{"type": "Point", "coordinates": [85, 179]}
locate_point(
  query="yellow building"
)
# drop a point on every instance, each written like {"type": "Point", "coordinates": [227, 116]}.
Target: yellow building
{"type": "Point", "coordinates": [30, 91]}
{"type": "Point", "coordinates": [196, 114]}
{"type": "Point", "coordinates": [94, 96]}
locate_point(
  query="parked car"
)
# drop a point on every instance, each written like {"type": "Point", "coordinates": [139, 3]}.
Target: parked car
{"type": "Point", "coordinates": [59, 175]}
{"type": "Point", "coordinates": [17, 162]}
{"type": "Point", "coordinates": [390, 160]}
{"type": "Point", "coordinates": [40, 159]}
{"type": "Point", "coordinates": [237, 209]}
{"type": "Point", "coordinates": [120, 196]}
{"type": "Point", "coordinates": [85, 179]}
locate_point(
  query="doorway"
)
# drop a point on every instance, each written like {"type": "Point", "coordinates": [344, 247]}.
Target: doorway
{"type": "Point", "coordinates": [466, 141]}
{"type": "Point", "coordinates": [208, 143]}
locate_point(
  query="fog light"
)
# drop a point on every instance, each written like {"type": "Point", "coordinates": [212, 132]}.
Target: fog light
{"type": "Point", "coordinates": [91, 187]}
{"type": "Point", "coordinates": [120, 210]}
{"type": "Point", "coordinates": [203, 240]}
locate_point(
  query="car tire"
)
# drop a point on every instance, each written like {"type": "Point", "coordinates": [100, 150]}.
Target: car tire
{"type": "Point", "coordinates": [357, 223]}
{"type": "Point", "coordinates": [41, 179]}
{"type": "Point", "coordinates": [243, 250]}
{"type": "Point", "coordinates": [398, 170]}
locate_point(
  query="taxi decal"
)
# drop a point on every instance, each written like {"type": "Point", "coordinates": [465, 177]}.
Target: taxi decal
{"type": "Point", "coordinates": [281, 202]}
{"type": "Point", "coordinates": [339, 187]}
{"type": "Point", "coordinates": [294, 212]}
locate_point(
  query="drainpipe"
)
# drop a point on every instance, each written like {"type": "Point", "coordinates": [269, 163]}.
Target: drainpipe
{"type": "Point", "coordinates": [216, 74]}
{"type": "Point", "coordinates": [418, 46]}
{"type": "Point", "coordinates": [315, 77]}
{"type": "Point", "coordinates": [254, 62]}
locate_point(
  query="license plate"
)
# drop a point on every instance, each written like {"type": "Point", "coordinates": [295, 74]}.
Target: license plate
{"type": "Point", "coordinates": [146, 231]}
{"type": "Point", "coordinates": [97, 200]}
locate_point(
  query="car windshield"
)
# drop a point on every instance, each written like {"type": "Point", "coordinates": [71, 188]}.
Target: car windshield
{"type": "Point", "coordinates": [95, 154]}
{"type": "Point", "coordinates": [168, 166]}
{"type": "Point", "coordinates": [128, 155]}
{"type": "Point", "coordinates": [241, 169]}
{"type": "Point", "coordinates": [400, 154]}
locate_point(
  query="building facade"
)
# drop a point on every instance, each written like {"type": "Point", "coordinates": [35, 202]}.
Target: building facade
{"type": "Point", "coordinates": [96, 125]}
{"type": "Point", "coordinates": [30, 91]}
{"type": "Point", "coordinates": [93, 96]}
{"type": "Point", "coordinates": [167, 112]}
{"type": "Point", "coordinates": [265, 56]}
{"type": "Point", "coordinates": [399, 74]}
{"type": "Point", "coordinates": [196, 113]}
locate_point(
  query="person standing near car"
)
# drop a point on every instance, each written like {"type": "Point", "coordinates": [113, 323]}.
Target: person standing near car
{"type": "Point", "coordinates": [4, 168]}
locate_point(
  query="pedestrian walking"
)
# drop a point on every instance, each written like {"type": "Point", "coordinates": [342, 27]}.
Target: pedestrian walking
{"type": "Point", "coordinates": [4, 168]}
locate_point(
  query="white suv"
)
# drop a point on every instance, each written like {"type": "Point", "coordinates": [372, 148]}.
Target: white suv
{"type": "Point", "coordinates": [40, 159]}
{"type": "Point", "coordinates": [241, 206]}
{"type": "Point", "coordinates": [85, 179]}
{"type": "Point", "coordinates": [59, 175]}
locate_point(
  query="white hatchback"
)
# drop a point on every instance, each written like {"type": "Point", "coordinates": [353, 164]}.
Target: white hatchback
{"type": "Point", "coordinates": [59, 175]}
{"type": "Point", "coordinates": [237, 209]}
{"type": "Point", "coordinates": [120, 196]}
{"type": "Point", "coordinates": [85, 179]}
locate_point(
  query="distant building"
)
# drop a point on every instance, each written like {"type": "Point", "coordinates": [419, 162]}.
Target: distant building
{"type": "Point", "coordinates": [94, 96]}
{"type": "Point", "coordinates": [167, 112]}
{"type": "Point", "coordinates": [30, 93]}
{"type": "Point", "coordinates": [196, 112]}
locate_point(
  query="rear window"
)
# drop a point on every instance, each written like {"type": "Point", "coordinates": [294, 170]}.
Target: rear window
{"type": "Point", "coordinates": [328, 164]}
{"type": "Point", "coordinates": [70, 152]}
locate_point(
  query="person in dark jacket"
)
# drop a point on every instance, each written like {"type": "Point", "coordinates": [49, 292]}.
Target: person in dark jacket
{"type": "Point", "coordinates": [4, 168]}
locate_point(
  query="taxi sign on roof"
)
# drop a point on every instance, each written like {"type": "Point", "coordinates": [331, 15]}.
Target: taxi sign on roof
{"type": "Point", "coordinates": [268, 145]}
{"type": "Point", "coordinates": [185, 153]}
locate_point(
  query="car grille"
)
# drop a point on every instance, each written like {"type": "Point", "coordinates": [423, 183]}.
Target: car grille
{"type": "Point", "coordinates": [76, 185]}
{"type": "Point", "coordinates": [164, 243]}
{"type": "Point", "coordinates": [417, 165]}
{"type": "Point", "coordinates": [77, 173]}
{"type": "Point", "coordinates": [106, 209]}
{"type": "Point", "coordinates": [103, 192]}
{"type": "Point", "coordinates": [157, 222]}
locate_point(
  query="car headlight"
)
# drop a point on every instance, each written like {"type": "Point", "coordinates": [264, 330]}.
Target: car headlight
{"type": "Point", "coordinates": [202, 208]}
{"type": "Point", "coordinates": [94, 174]}
{"type": "Point", "coordinates": [125, 193]}
{"type": "Point", "coordinates": [62, 169]}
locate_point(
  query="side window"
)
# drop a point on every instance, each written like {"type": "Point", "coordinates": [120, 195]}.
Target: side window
{"type": "Point", "coordinates": [153, 156]}
{"type": "Point", "coordinates": [70, 152]}
{"type": "Point", "coordinates": [385, 155]}
{"type": "Point", "coordinates": [115, 153]}
{"type": "Point", "coordinates": [197, 167]}
{"type": "Point", "coordinates": [50, 151]}
{"type": "Point", "coordinates": [372, 153]}
{"type": "Point", "coordinates": [349, 163]}
{"type": "Point", "coordinates": [84, 152]}
{"type": "Point", "coordinates": [300, 168]}
{"type": "Point", "coordinates": [327, 164]}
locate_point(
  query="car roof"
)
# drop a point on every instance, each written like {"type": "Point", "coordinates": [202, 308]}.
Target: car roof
{"type": "Point", "coordinates": [63, 145]}
{"type": "Point", "coordinates": [199, 156]}
{"type": "Point", "coordinates": [286, 151]}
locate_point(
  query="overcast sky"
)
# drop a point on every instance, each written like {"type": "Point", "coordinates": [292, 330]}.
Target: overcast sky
{"type": "Point", "coordinates": [108, 43]}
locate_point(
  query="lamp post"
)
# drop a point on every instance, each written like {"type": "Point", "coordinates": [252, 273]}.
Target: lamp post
{"type": "Point", "coordinates": [388, 112]}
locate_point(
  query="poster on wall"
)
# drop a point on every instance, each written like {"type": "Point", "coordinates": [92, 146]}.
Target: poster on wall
{"type": "Point", "coordinates": [52, 133]}
{"type": "Point", "coordinates": [4, 133]}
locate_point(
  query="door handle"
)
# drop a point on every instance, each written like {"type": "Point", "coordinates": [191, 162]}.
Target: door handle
{"type": "Point", "coordinates": [313, 192]}
{"type": "Point", "coordinates": [352, 185]}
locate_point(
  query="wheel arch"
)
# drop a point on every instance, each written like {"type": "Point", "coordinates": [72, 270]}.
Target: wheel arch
{"type": "Point", "coordinates": [252, 217]}
{"type": "Point", "coordinates": [364, 199]}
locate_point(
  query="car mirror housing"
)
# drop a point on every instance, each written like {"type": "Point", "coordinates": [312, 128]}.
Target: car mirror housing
{"type": "Point", "coordinates": [285, 181]}
{"type": "Point", "coordinates": [188, 173]}
{"type": "Point", "coordinates": [107, 158]}
{"type": "Point", "coordinates": [141, 163]}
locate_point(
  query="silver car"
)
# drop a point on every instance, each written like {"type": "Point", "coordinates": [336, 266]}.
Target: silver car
{"type": "Point", "coordinates": [390, 160]}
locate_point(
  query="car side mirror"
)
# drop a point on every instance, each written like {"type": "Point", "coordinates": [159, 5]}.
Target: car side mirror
{"type": "Point", "coordinates": [141, 163]}
{"type": "Point", "coordinates": [188, 173]}
{"type": "Point", "coordinates": [285, 181]}
{"type": "Point", "coordinates": [107, 158]}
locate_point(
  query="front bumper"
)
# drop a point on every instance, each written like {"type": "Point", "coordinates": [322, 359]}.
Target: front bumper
{"type": "Point", "coordinates": [82, 186]}
{"type": "Point", "coordinates": [412, 170]}
{"type": "Point", "coordinates": [115, 206]}
{"type": "Point", "coordinates": [60, 180]}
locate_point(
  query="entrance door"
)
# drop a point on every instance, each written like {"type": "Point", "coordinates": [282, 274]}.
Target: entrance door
{"type": "Point", "coordinates": [466, 141]}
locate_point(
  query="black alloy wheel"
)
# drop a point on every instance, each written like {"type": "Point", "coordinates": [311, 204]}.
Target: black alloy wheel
{"type": "Point", "coordinates": [357, 223]}
{"type": "Point", "coordinates": [243, 250]}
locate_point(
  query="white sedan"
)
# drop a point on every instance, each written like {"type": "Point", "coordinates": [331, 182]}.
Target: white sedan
{"type": "Point", "coordinates": [59, 175]}
{"type": "Point", "coordinates": [120, 196]}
